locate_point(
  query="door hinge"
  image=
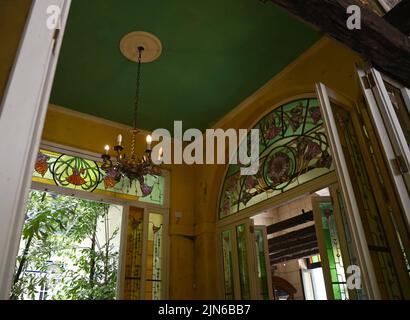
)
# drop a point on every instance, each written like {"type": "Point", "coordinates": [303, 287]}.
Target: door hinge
{"type": "Point", "coordinates": [368, 81]}
{"type": "Point", "coordinates": [400, 165]}
{"type": "Point", "coordinates": [55, 38]}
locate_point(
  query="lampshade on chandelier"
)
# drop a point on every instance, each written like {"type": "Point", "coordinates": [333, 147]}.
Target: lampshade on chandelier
{"type": "Point", "coordinates": [131, 166]}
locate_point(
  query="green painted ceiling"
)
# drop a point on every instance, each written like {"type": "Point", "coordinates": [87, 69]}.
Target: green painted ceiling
{"type": "Point", "coordinates": [216, 54]}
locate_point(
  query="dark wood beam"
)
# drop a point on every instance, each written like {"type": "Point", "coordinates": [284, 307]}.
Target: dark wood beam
{"type": "Point", "coordinates": [378, 42]}
{"type": "Point", "coordinates": [296, 255]}
{"type": "Point", "coordinates": [291, 244]}
{"type": "Point", "coordinates": [297, 234]}
{"type": "Point", "coordinates": [289, 223]}
{"type": "Point", "coordinates": [399, 17]}
{"type": "Point", "coordinates": [294, 250]}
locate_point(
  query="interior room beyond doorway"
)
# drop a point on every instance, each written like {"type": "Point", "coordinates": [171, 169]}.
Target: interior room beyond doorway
{"type": "Point", "coordinates": [294, 248]}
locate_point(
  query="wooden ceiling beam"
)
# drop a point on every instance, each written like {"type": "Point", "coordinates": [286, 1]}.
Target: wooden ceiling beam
{"type": "Point", "coordinates": [291, 222]}
{"type": "Point", "coordinates": [399, 16]}
{"type": "Point", "coordinates": [296, 255]}
{"type": "Point", "coordinates": [297, 234]}
{"type": "Point", "coordinates": [291, 244]}
{"type": "Point", "coordinates": [294, 250]}
{"type": "Point", "coordinates": [378, 42]}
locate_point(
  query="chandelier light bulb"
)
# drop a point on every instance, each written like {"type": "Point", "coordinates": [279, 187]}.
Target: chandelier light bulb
{"type": "Point", "coordinates": [149, 142]}
{"type": "Point", "coordinates": [107, 148]}
{"type": "Point", "coordinates": [119, 140]}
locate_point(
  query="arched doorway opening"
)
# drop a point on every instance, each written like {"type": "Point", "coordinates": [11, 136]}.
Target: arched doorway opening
{"type": "Point", "coordinates": [308, 207]}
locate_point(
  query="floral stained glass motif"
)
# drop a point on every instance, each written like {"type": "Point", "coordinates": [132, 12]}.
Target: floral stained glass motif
{"type": "Point", "coordinates": [334, 253]}
{"type": "Point", "coordinates": [153, 286]}
{"type": "Point", "coordinates": [293, 148]}
{"type": "Point", "coordinates": [133, 261]}
{"type": "Point", "coordinates": [83, 174]}
{"type": "Point", "coordinates": [228, 265]}
{"type": "Point", "coordinates": [243, 262]}
{"type": "Point", "coordinates": [261, 262]}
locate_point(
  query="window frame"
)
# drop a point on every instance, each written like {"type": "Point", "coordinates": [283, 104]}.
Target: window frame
{"type": "Point", "coordinates": [126, 204]}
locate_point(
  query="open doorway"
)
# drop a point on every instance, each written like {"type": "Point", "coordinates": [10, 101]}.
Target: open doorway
{"type": "Point", "coordinates": [69, 249]}
{"type": "Point", "coordinates": [302, 250]}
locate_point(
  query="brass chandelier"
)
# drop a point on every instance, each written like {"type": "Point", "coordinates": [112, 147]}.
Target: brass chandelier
{"type": "Point", "coordinates": [131, 167]}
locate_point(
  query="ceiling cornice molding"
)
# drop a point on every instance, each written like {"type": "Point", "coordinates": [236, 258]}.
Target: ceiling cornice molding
{"type": "Point", "coordinates": [92, 118]}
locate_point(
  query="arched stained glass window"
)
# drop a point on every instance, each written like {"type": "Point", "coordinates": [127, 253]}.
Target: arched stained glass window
{"type": "Point", "coordinates": [294, 149]}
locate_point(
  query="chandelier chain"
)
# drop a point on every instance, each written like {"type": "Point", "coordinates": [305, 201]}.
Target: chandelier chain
{"type": "Point", "coordinates": [137, 87]}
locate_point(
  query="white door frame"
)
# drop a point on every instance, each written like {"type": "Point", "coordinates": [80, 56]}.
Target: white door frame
{"type": "Point", "coordinates": [250, 259]}
{"type": "Point", "coordinates": [389, 131]}
{"type": "Point", "coordinates": [126, 204]}
{"type": "Point", "coordinates": [346, 185]}
{"type": "Point", "coordinates": [22, 116]}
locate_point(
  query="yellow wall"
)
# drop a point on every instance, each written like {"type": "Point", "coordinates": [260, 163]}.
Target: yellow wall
{"type": "Point", "coordinates": [13, 15]}
{"type": "Point", "coordinates": [87, 133]}
{"type": "Point", "coordinates": [326, 62]}
{"type": "Point", "coordinates": [195, 189]}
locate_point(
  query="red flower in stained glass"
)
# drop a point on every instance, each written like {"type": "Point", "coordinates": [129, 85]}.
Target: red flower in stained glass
{"type": "Point", "coordinates": [145, 189]}
{"type": "Point", "coordinates": [250, 182]}
{"type": "Point", "coordinates": [41, 165]}
{"type": "Point", "coordinates": [272, 132]}
{"type": "Point", "coordinates": [296, 119]}
{"type": "Point", "coordinates": [231, 182]}
{"type": "Point", "coordinates": [315, 114]}
{"type": "Point", "coordinates": [226, 205]}
{"type": "Point", "coordinates": [279, 167]}
{"type": "Point", "coordinates": [313, 150]}
{"type": "Point", "coordinates": [325, 160]}
{"type": "Point", "coordinates": [76, 178]}
{"type": "Point", "coordinates": [110, 180]}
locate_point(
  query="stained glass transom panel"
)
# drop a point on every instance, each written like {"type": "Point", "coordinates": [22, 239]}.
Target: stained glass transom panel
{"type": "Point", "coordinates": [86, 175]}
{"type": "Point", "coordinates": [294, 149]}
{"type": "Point", "coordinates": [153, 280]}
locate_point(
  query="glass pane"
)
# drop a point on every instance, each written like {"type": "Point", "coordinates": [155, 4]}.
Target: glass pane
{"type": "Point", "coordinates": [153, 283]}
{"type": "Point", "coordinates": [86, 175]}
{"type": "Point", "coordinates": [133, 260]}
{"type": "Point", "coordinates": [227, 265]}
{"type": "Point", "coordinates": [332, 245]}
{"type": "Point", "coordinates": [243, 262]}
{"type": "Point", "coordinates": [400, 108]}
{"type": "Point", "coordinates": [293, 150]}
{"type": "Point", "coordinates": [352, 253]}
{"type": "Point", "coordinates": [263, 274]}
{"type": "Point", "coordinates": [370, 212]}
{"type": "Point", "coordinates": [380, 6]}
{"type": "Point", "coordinates": [390, 4]}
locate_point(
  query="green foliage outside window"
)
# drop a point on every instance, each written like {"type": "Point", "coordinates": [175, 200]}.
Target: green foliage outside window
{"type": "Point", "coordinates": [62, 256]}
